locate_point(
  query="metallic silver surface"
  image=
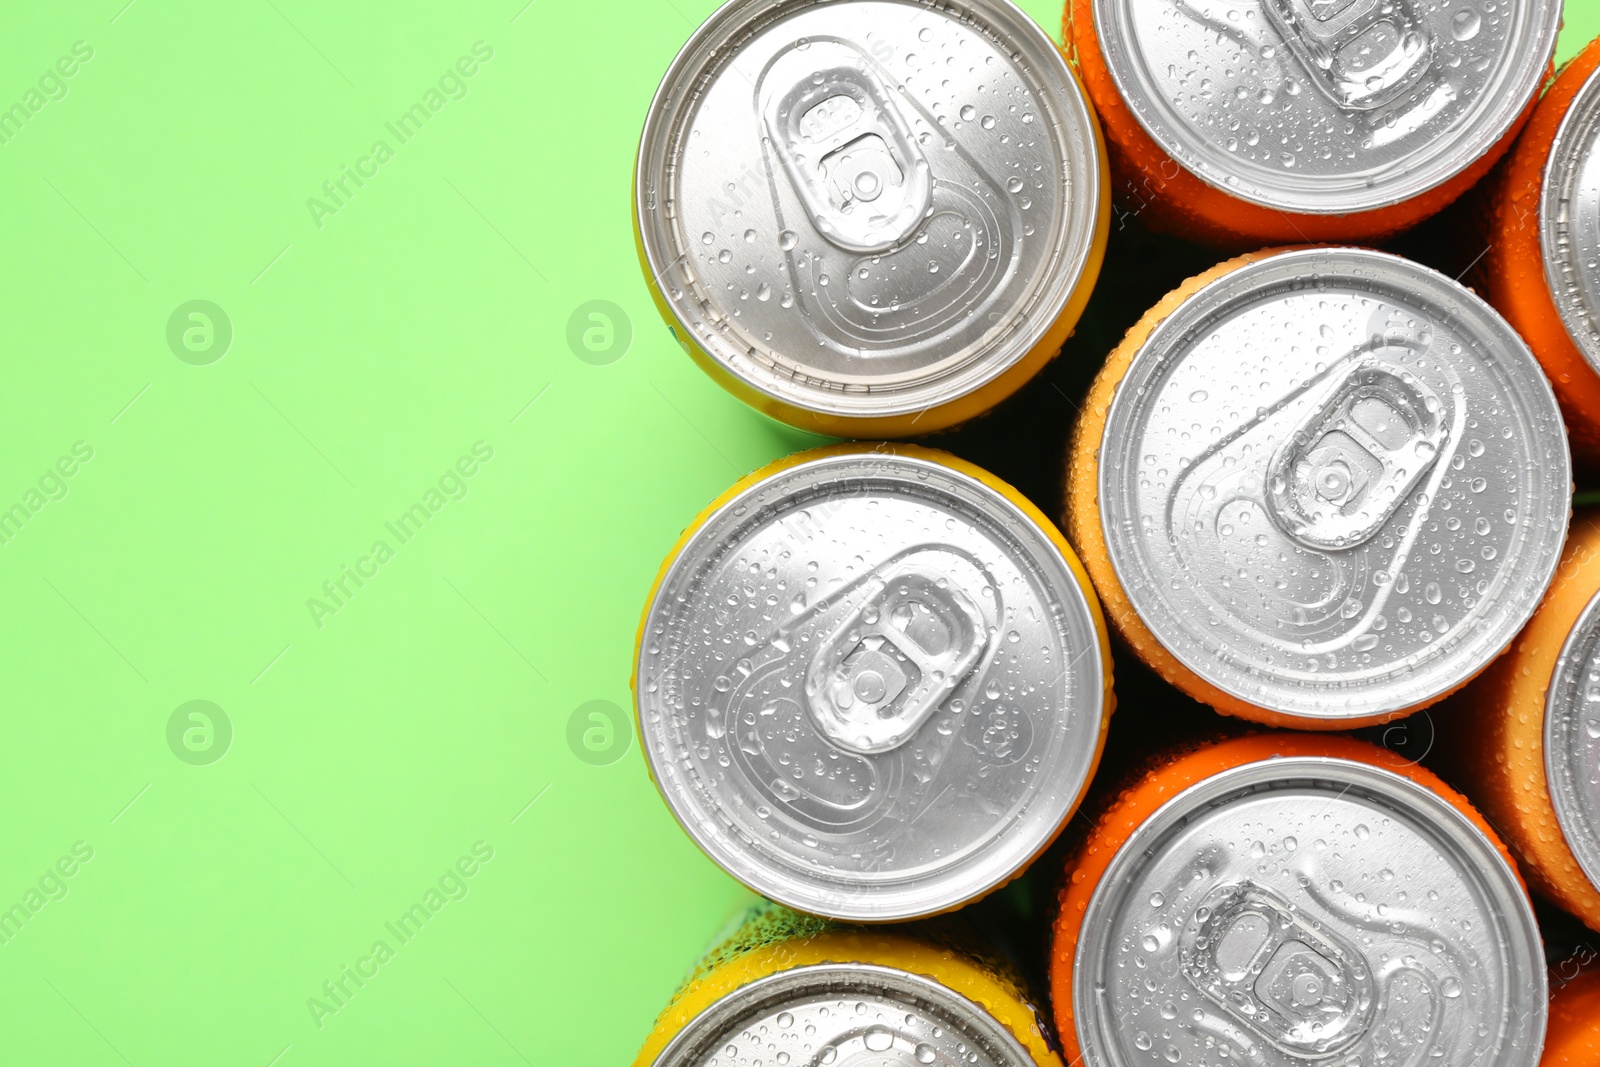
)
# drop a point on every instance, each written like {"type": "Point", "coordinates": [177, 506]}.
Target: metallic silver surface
{"type": "Point", "coordinates": [870, 687]}
{"type": "Point", "coordinates": [1327, 106]}
{"type": "Point", "coordinates": [868, 207]}
{"type": "Point", "coordinates": [1309, 910]}
{"type": "Point", "coordinates": [1334, 483]}
{"type": "Point", "coordinates": [1572, 740]}
{"type": "Point", "coordinates": [844, 1015]}
{"type": "Point", "coordinates": [1569, 220]}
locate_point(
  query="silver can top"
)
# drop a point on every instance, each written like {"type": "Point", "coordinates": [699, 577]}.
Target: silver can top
{"type": "Point", "coordinates": [1572, 740]}
{"type": "Point", "coordinates": [1334, 483]}
{"type": "Point", "coordinates": [1327, 106]}
{"type": "Point", "coordinates": [866, 208]}
{"type": "Point", "coordinates": [1303, 910]}
{"type": "Point", "coordinates": [1569, 220]}
{"type": "Point", "coordinates": [844, 1014]}
{"type": "Point", "coordinates": [870, 687]}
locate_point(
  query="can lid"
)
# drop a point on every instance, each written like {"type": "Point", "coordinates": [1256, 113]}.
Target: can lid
{"type": "Point", "coordinates": [1327, 106]}
{"type": "Point", "coordinates": [844, 1014]}
{"type": "Point", "coordinates": [864, 208]}
{"type": "Point", "coordinates": [1572, 740]}
{"type": "Point", "coordinates": [1334, 483]}
{"type": "Point", "coordinates": [1309, 909]}
{"type": "Point", "coordinates": [1569, 220]}
{"type": "Point", "coordinates": [870, 687]}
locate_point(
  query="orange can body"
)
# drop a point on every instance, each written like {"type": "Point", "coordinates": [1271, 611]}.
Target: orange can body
{"type": "Point", "coordinates": [1501, 734]}
{"type": "Point", "coordinates": [1183, 502]}
{"type": "Point", "coordinates": [1082, 520]}
{"type": "Point", "coordinates": [1573, 1039]}
{"type": "Point", "coordinates": [1135, 806]}
{"type": "Point", "coordinates": [1168, 197]}
{"type": "Point", "coordinates": [772, 941]}
{"type": "Point", "coordinates": [1513, 273]}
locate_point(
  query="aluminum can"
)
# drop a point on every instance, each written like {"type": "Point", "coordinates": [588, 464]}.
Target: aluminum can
{"type": "Point", "coordinates": [872, 682]}
{"type": "Point", "coordinates": [1574, 1036]}
{"type": "Point", "coordinates": [1321, 487]}
{"type": "Point", "coordinates": [790, 989]}
{"type": "Point", "coordinates": [1283, 899]}
{"type": "Point", "coordinates": [1306, 120]}
{"type": "Point", "coordinates": [1527, 741]}
{"type": "Point", "coordinates": [1543, 241]}
{"type": "Point", "coordinates": [871, 218]}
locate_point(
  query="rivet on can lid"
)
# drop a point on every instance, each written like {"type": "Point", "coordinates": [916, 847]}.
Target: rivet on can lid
{"type": "Point", "coordinates": [870, 687]}
{"type": "Point", "coordinates": [868, 208]}
{"type": "Point", "coordinates": [1334, 484]}
{"type": "Point", "coordinates": [1309, 909]}
{"type": "Point", "coordinates": [1320, 107]}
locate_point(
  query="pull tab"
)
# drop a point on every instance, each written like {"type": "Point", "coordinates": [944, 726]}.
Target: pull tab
{"type": "Point", "coordinates": [1356, 456]}
{"type": "Point", "coordinates": [1362, 54]}
{"type": "Point", "coordinates": [845, 146]}
{"type": "Point", "coordinates": [879, 676]}
{"type": "Point", "coordinates": [1305, 991]}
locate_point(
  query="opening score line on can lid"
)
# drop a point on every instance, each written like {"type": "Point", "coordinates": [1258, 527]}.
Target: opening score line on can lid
{"type": "Point", "coordinates": [871, 218]}
{"type": "Point", "coordinates": [1280, 899]}
{"type": "Point", "coordinates": [1320, 487]}
{"type": "Point", "coordinates": [872, 684]}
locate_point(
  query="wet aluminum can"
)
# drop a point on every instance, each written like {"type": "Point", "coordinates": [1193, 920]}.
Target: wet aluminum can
{"type": "Point", "coordinates": [871, 218]}
{"type": "Point", "coordinates": [1321, 487]}
{"type": "Point", "coordinates": [1543, 243]}
{"type": "Point", "coordinates": [1283, 899]}
{"type": "Point", "coordinates": [788, 989]}
{"type": "Point", "coordinates": [872, 683]}
{"type": "Point", "coordinates": [1526, 741]}
{"type": "Point", "coordinates": [1306, 120]}
{"type": "Point", "coordinates": [1574, 1036]}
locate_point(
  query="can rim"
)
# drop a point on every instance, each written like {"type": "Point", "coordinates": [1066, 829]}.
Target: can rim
{"type": "Point", "coordinates": [1289, 268]}
{"type": "Point", "coordinates": [784, 883]}
{"type": "Point", "coordinates": [1578, 826]}
{"type": "Point", "coordinates": [1466, 846]}
{"type": "Point", "coordinates": [1355, 194]}
{"type": "Point", "coordinates": [769, 992]}
{"type": "Point", "coordinates": [1577, 135]}
{"type": "Point", "coordinates": [786, 380]}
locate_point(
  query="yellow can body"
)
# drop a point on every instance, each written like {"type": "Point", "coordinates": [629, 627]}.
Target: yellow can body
{"type": "Point", "coordinates": [772, 939]}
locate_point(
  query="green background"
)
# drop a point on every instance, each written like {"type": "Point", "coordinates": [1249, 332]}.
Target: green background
{"type": "Point", "coordinates": [377, 740]}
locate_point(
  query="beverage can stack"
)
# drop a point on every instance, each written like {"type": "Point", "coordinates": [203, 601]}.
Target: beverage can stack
{"type": "Point", "coordinates": [1230, 367]}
